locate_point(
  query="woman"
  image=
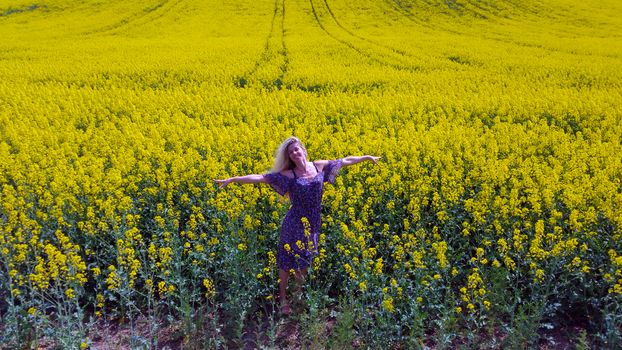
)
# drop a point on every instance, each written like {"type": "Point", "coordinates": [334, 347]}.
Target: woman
{"type": "Point", "coordinates": [304, 181]}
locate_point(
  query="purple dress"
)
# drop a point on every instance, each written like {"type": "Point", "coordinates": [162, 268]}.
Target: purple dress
{"type": "Point", "coordinates": [298, 242]}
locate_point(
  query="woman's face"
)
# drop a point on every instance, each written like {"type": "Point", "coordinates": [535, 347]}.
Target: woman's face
{"type": "Point", "coordinates": [296, 153]}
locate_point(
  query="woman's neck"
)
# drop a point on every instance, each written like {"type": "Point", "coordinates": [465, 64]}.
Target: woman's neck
{"type": "Point", "coordinates": [301, 169]}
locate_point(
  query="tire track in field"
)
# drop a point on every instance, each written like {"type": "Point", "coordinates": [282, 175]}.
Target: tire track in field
{"type": "Point", "coordinates": [397, 6]}
{"type": "Point", "coordinates": [161, 14]}
{"type": "Point", "coordinates": [357, 49]}
{"type": "Point", "coordinates": [267, 56]}
{"type": "Point", "coordinates": [538, 10]}
{"type": "Point", "coordinates": [401, 9]}
{"type": "Point", "coordinates": [170, 6]}
{"type": "Point", "coordinates": [127, 20]}
{"type": "Point", "coordinates": [404, 11]}
{"type": "Point", "coordinates": [285, 66]}
{"type": "Point", "coordinates": [332, 14]}
{"type": "Point", "coordinates": [458, 8]}
{"type": "Point", "coordinates": [136, 17]}
{"type": "Point", "coordinates": [263, 57]}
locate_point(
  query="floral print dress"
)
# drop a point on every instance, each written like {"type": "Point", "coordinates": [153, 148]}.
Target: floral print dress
{"type": "Point", "coordinates": [298, 241]}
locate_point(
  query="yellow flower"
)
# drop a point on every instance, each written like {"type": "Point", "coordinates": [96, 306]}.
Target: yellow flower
{"type": "Point", "coordinates": [210, 291]}
{"type": "Point", "coordinates": [162, 288]}
{"type": "Point", "coordinates": [479, 252]}
{"type": "Point", "coordinates": [112, 280]}
{"type": "Point", "coordinates": [379, 265]}
{"type": "Point", "coordinates": [306, 225]}
{"type": "Point", "coordinates": [300, 245]}
{"type": "Point", "coordinates": [441, 248]}
{"type": "Point", "coordinates": [271, 258]}
{"type": "Point", "coordinates": [387, 303]}
{"type": "Point", "coordinates": [539, 275]}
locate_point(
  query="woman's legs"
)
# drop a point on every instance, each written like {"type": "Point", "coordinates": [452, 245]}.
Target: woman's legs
{"type": "Point", "coordinates": [283, 278]}
{"type": "Point", "coordinates": [301, 277]}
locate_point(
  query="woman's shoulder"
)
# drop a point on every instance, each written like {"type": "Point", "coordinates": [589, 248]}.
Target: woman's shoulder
{"type": "Point", "coordinates": [321, 163]}
{"type": "Point", "coordinates": [288, 173]}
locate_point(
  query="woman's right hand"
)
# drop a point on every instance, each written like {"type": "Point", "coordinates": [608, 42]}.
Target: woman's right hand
{"type": "Point", "coordinates": [223, 183]}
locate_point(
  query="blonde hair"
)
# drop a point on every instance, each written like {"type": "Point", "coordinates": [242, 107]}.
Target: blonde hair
{"type": "Point", "coordinates": [281, 157]}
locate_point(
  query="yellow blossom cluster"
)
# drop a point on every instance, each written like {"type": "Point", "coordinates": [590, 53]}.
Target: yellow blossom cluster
{"type": "Point", "coordinates": [474, 293]}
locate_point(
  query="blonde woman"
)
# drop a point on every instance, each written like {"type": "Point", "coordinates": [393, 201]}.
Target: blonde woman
{"type": "Point", "coordinates": [303, 181]}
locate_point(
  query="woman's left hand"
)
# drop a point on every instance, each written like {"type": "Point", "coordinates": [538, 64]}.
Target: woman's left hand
{"type": "Point", "coordinates": [374, 159]}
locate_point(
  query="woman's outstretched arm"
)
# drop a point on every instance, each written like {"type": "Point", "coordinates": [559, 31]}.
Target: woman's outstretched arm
{"type": "Point", "coordinates": [353, 160]}
{"type": "Point", "coordinates": [246, 179]}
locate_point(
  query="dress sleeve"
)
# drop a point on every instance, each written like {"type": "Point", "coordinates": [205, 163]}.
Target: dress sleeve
{"type": "Point", "coordinates": [278, 182]}
{"type": "Point", "coordinates": [331, 169]}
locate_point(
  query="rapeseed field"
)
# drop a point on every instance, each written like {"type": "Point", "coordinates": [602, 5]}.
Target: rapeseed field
{"type": "Point", "coordinates": [494, 219]}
